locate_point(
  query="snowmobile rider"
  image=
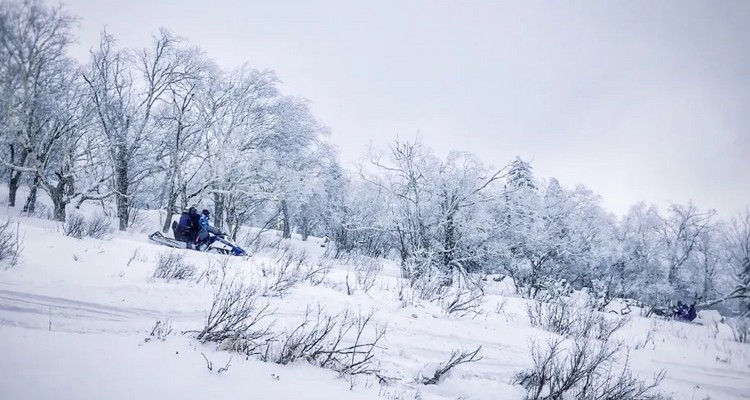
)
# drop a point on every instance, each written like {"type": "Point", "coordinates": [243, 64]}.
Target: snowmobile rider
{"type": "Point", "coordinates": [188, 228]}
{"type": "Point", "coordinates": [206, 228]}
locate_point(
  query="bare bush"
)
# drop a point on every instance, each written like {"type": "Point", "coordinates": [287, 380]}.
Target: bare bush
{"type": "Point", "coordinates": [259, 243]}
{"type": "Point", "coordinates": [137, 220]}
{"type": "Point", "coordinates": [367, 270]}
{"type": "Point", "coordinates": [568, 318]}
{"type": "Point", "coordinates": [581, 365]}
{"type": "Point", "coordinates": [500, 306]}
{"type": "Point", "coordinates": [429, 286]}
{"type": "Point", "coordinates": [338, 342]}
{"type": "Point", "coordinates": [465, 298]}
{"type": "Point", "coordinates": [349, 281]}
{"type": "Point", "coordinates": [78, 226]}
{"type": "Point", "coordinates": [559, 316]}
{"type": "Point", "coordinates": [137, 256]}
{"type": "Point", "coordinates": [457, 358]}
{"type": "Point", "coordinates": [210, 365]}
{"type": "Point", "coordinates": [365, 274]}
{"type": "Point", "coordinates": [11, 244]}
{"type": "Point", "coordinates": [237, 319]}
{"type": "Point", "coordinates": [648, 340]}
{"type": "Point", "coordinates": [161, 330]}
{"type": "Point", "coordinates": [172, 265]}
{"type": "Point", "coordinates": [75, 226]}
{"type": "Point", "coordinates": [461, 295]}
{"type": "Point", "coordinates": [405, 294]}
{"type": "Point", "coordinates": [98, 227]}
{"type": "Point", "coordinates": [315, 273]}
{"type": "Point", "coordinates": [463, 303]}
{"type": "Point", "coordinates": [740, 328]}
{"type": "Point", "coordinates": [284, 273]}
{"type": "Point", "coordinates": [291, 268]}
{"type": "Point", "coordinates": [216, 271]}
{"type": "Point", "coordinates": [584, 370]}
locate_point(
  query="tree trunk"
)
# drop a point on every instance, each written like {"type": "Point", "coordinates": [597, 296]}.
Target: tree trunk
{"type": "Point", "coordinates": [672, 275]}
{"type": "Point", "coordinates": [15, 175]}
{"type": "Point", "coordinates": [183, 197]}
{"type": "Point", "coordinates": [305, 224]}
{"type": "Point", "coordinates": [174, 184]}
{"type": "Point", "coordinates": [449, 247]}
{"type": "Point", "coordinates": [286, 232]}
{"type": "Point", "coordinates": [171, 203]}
{"type": "Point", "coordinates": [30, 205]}
{"type": "Point", "coordinates": [219, 211]}
{"type": "Point", "coordinates": [59, 204]}
{"type": "Point", "coordinates": [122, 197]}
{"type": "Point", "coordinates": [13, 183]}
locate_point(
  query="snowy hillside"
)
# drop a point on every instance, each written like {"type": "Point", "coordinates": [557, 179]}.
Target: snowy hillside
{"type": "Point", "coordinates": [87, 319]}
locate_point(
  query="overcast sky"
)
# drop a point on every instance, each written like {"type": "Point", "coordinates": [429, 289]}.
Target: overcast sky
{"type": "Point", "coordinates": [638, 100]}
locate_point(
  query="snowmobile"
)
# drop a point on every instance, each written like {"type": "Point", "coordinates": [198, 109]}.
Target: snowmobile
{"type": "Point", "coordinates": [220, 243]}
{"type": "Point", "coordinates": [681, 312]}
{"type": "Point", "coordinates": [216, 242]}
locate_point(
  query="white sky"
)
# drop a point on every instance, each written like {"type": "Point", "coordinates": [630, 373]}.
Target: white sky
{"type": "Point", "coordinates": [638, 100]}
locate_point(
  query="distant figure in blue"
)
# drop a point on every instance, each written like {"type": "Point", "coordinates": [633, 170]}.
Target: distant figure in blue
{"type": "Point", "coordinates": [206, 228]}
{"type": "Point", "coordinates": [685, 312]}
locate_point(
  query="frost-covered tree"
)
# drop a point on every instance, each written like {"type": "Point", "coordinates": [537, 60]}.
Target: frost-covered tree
{"type": "Point", "coordinates": [239, 107]}
{"type": "Point", "coordinates": [181, 127]}
{"type": "Point", "coordinates": [707, 266]}
{"type": "Point", "coordinates": [125, 88]}
{"type": "Point", "coordinates": [300, 158]}
{"type": "Point", "coordinates": [56, 159]}
{"type": "Point", "coordinates": [583, 235]}
{"type": "Point", "coordinates": [737, 253]}
{"type": "Point", "coordinates": [639, 270]}
{"type": "Point", "coordinates": [555, 236]}
{"type": "Point", "coordinates": [33, 40]}
{"type": "Point", "coordinates": [524, 235]}
{"type": "Point", "coordinates": [465, 188]}
{"type": "Point", "coordinates": [323, 176]}
{"type": "Point", "coordinates": [520, 175]}
{"type": "Point", "coordinates": [405, 177]}
{"type": "Point", "coordinates": [679, 233]}
{"type": "Point", "coordinates": [435, 211]}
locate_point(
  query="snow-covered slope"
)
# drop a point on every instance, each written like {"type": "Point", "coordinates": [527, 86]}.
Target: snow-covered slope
{"type": "Point", "coordinates": [76, 317]}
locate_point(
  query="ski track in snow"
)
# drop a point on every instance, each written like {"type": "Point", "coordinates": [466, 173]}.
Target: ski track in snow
{"type": "Point", "coordinates": [69, 315]}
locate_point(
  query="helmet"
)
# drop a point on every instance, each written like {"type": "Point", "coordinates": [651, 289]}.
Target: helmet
{"type": "Point", "coordinates": [206, 213]}
{"type": "Point", "coordinates": [192, 210]}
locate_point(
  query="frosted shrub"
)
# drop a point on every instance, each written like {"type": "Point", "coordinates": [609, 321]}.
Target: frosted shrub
{"type": "Point", "coordinates": [78, 226]}
{"type": "Point", "coordinates": [10, 244]}
{"type": "Point", "coordinates": [364, 277]}
{"type": "Point", "coordinates": [237, 318]}
{"type": "Point", "coordinates": [291, 268]}
{"type": "Point", "coordinates": [457, 358]}
{"type": "Point", "coordinates": [740, 328]}
{"type": "Point", "coordinates": [98, 227]}
{"type": "Point", "coordinates": [75, 226]}
{"type": "Point", "coordinates": [172, 265]}
{"type": "Point", "coordinates": [367, 270]}
{"type": "Point", "coordinates": [285, 272]}
{"type": "Point", "coordinates": [559, 316]}
{"type": "Point", "coordinates": [343, 342]}
{"type": "Point", "coordinates": [567, 317]}
{"type": "Point", "coordinates": [586, 364]}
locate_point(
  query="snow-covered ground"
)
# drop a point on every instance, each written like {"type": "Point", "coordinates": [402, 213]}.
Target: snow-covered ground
{"type": "Point", "coordinates": [76, 317]}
